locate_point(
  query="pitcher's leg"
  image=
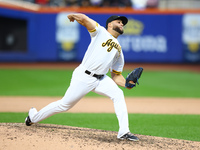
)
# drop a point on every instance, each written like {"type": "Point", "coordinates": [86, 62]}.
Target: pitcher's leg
{"type": "Point", "coordinates": [108, 88]}
{"type": "Point", "coordinates": [47, 111]}
{"type": "Point", "coordinates": [121, 112]}
{"type": "Point", "coordinates": [72, 96]}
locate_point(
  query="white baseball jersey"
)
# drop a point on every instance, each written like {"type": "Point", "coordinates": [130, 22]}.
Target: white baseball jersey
{"type": "Point", "coordinates": [103, 53]}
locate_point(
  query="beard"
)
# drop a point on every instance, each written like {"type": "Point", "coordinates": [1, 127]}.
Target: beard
{"type": "Point", "coordinates": [117, 29]}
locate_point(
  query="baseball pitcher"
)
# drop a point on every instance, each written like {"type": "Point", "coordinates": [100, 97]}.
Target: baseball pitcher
{"type": "Point", "coordinates": [103, 54]}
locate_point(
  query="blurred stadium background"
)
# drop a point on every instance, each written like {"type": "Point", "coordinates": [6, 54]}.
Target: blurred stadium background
{"type": "Point", "coordinates": [159, 31]}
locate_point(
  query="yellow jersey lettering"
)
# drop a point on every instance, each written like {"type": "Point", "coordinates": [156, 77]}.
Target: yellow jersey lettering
{"type": "Point", "coordinates": [111, 44]}
{"type": "Point", "coordinates": [106, 43]}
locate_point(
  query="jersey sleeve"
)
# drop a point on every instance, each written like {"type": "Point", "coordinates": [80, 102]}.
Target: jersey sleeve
{"type": "Point", "coordinates": [118, 66]}
{"type": "Point", "coordinates": [94, 32]}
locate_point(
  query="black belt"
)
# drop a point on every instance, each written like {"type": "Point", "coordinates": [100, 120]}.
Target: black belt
{"type": "Point", "coordinates": [94, 75]}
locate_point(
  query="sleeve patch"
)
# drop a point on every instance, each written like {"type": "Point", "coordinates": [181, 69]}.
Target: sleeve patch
{"type": "Point", "coordinates": [117, 72]}
{"type": "Point", "coordinates": [91, 31]}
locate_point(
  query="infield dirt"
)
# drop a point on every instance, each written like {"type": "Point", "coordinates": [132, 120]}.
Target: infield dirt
{"type": "Point", "coordinates": [57, 137]}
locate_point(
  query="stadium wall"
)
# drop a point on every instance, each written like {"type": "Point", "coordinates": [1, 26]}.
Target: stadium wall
{"type": "Point", "coordinates": [45, 34]}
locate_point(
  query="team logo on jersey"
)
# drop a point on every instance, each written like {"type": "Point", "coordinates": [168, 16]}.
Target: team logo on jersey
{"type": "Point", "coordinates": [112, 44]}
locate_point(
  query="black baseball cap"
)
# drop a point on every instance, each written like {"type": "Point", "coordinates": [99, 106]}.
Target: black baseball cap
{"type": "Point", "coordinates": [112, 18]}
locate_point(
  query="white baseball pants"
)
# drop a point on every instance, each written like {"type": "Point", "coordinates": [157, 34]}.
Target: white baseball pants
{"type": "Point", "coordinates": [81, 84]}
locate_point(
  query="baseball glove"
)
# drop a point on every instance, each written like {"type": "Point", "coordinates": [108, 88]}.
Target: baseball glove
{"type": "Point", "coordinates": [133, 77]}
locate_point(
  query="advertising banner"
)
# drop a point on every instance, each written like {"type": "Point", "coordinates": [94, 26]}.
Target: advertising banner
{"type": "Point", "coordinates": [191, 37]}
{"type": "Point", "coordinates": [67, 37]}
{"type": "Point", "coordinates": [152, 38]}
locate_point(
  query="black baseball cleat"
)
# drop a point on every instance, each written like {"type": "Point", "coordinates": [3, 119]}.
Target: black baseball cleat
{"type": "Point", "coordinates": [31, 114]}
{"type": "Point", "coordinates": [28, 121]}
{"type": "Point", "coordinates": [129, 136]}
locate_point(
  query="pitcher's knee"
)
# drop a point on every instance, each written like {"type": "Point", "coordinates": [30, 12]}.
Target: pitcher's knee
{"type": "Point", "coordinates": [65, 106]}
{"type": "Point", "coordinates": [119, 94]}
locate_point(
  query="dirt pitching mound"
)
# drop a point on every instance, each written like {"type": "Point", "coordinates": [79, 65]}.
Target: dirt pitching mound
{"type": "Point", "coordinates": [56, 137]}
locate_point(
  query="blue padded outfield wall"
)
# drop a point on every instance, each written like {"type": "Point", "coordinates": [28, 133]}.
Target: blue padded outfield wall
{"type": "Point", "coordinates": [165, 38]}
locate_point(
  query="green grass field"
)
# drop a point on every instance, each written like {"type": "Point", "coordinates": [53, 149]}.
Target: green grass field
{"type": "Point", "coordinates": [55, 82]}
{"type": "Point", "coordinates": [37, 82]}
